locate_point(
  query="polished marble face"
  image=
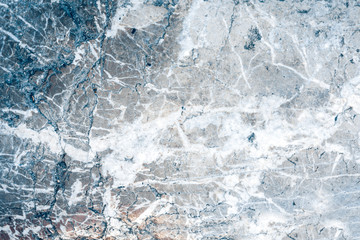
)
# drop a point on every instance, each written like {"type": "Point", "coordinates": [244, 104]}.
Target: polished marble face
{"type": "Point", "coordinates": [180, 119]}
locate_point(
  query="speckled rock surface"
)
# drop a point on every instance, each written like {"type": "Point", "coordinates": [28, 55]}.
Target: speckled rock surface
{"type": "Point", "coordinates": [180, 119]}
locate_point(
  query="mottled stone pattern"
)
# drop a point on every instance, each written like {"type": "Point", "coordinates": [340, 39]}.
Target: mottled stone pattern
{"type": "Point", "coordinates": [180, 119]}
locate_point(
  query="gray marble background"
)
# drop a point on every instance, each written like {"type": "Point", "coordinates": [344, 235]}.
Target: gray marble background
{"type": "Point", "coordinates": [180, 119]}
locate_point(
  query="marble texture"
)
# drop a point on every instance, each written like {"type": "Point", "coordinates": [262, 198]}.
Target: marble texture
{"type": "Point", "coordinates": [180, 119]}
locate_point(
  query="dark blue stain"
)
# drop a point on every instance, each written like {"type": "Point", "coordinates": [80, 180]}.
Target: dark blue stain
{"type": "Point", "coordinates": [251, 138]}
{"type": "Point", "coordinates": [253, 37]}
{"type": "Point", "coordinates": [303, 11]}
{"type": "Point", "coordinates": [158, 3]}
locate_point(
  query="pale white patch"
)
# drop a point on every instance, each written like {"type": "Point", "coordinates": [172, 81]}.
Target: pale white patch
{"type": "Point", "coordinates": [79, 54]}
{"type": "Point", "coordinates": [132, 146]}
{"type": "Point", "coordinates": [77, 154]}
{"type": "Point", "coordinates": [45, 136]}
{"type": "Point", "coordinates": [76, 192]}
{"type": "Point", "coordinates": [232, 201]}
{"type": "Point", "coordinates": [137, 16]}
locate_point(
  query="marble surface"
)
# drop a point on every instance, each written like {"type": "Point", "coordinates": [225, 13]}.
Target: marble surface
{"type": "Point", "coordinates": [180, 119]}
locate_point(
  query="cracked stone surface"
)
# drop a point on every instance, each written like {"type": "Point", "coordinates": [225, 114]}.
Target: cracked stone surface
{"type": "Point", "coordinates": [180, 119]}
